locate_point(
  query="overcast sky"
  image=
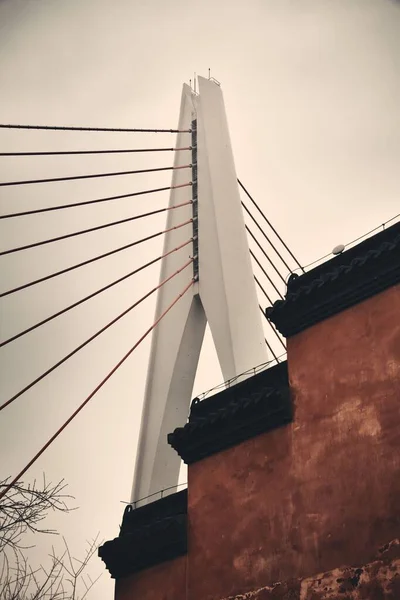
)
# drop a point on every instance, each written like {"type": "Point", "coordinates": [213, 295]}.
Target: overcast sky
{"type": "Point", "coordinates": [312, 96]}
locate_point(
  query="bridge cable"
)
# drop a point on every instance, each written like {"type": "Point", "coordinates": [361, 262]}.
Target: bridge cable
{"type": "Point", "coordinates": [269, 300]}
{"type": "Point", "coordinates": [97, 388]}
{"type": "Point", "coordinates": [96, 201]}
{"type": "Point", "coordinates": [271, 350]}
{"type": "Point", "coordinates": [91, 260]}
{"type": "Point", "coordinates": [266, 341]}
{"type": "Point", "coordinates": [92, 295]}
{"type": "Point", "coordinates": [266, 275]}
{"type": "Point", "coordinates": [91, 229]}
{"type": "Point", "coordinates": [270, 224]}
{"type": "Point", "coordinates": [93, 176]}
{"type": "Point", "coordinates": [81, 152]}
{"type": "Point", "coordinates": [86, 342]}
{"type": "Point", "coordinates": [110, 129]}
{"type": "Point", "coordinates": [266, 237]}
{"type": "Point", "coordinates": [265, 254]}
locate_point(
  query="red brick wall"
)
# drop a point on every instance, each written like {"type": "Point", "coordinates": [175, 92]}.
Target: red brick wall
{"type": "Point", "coordinates": [322, 492]}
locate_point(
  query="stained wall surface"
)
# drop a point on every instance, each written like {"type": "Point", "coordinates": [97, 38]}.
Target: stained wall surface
{"type": "Point", "coordinates": [321, 492]}
{"type": "Point", "coordinates": [308, 511]}
{"type": "Point", "coordinates": [377, 580]}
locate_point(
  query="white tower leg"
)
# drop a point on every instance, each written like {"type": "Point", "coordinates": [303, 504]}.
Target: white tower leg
{"type": "Point", "coordinates": [176, 341]}
{"type": "Point", "coordinates": [226, 291]}
{"type": "Point", "coordinates": [226, 282]}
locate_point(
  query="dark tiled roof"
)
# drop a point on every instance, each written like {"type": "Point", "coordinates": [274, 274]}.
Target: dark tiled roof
{"type": "Point", "coordinates": [256, 405]}
{"type": "Point", "coordinates": [169, 506]}
{"type": "Point", "coordinates": [343, 281]}
{"type": "Point", "coordinates": [149, 535]}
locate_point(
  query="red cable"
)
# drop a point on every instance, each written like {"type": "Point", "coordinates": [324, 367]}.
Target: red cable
{"type": "Point", "coordinates": [63, 360]}
{"type": "Point", "coordinates": [106, 287]}
{"type": "Point", "coordinates": [68, 421]}
{"type": "Point", "coordinates": [91, 229]}
{"type": "Point", "coordinates": [73, 205]}
{"type": "Point", "coordinates": [95, 175]}
{"type": "Point", "coordinates": [91, 260]}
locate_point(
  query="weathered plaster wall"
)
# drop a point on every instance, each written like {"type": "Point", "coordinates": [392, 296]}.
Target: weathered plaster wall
{"type": "Point", "coordinates": [321, 492]}
{"type": "Point", "coordinates": [378, 580]}
{"type": "Point", "coordinates": [166, 581]}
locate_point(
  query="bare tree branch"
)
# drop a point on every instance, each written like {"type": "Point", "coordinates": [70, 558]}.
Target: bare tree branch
{"type": "Point", "coordinates": [22, 511]}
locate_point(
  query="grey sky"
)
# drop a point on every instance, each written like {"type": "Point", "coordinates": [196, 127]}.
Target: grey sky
{"type": "Point", "coordinates": [312, 95]}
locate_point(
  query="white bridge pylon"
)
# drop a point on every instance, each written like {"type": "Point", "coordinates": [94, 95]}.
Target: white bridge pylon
{"type": "Point", "coordinates": [224, 295]}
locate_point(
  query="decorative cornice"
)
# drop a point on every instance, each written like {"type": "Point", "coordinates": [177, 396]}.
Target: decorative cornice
{"type": "Point", "coordinates": [149, 535]}
{"type": "Point", "coordinates": [245, 410]}
{"type": "Point", "coordinates": [359, 273]}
